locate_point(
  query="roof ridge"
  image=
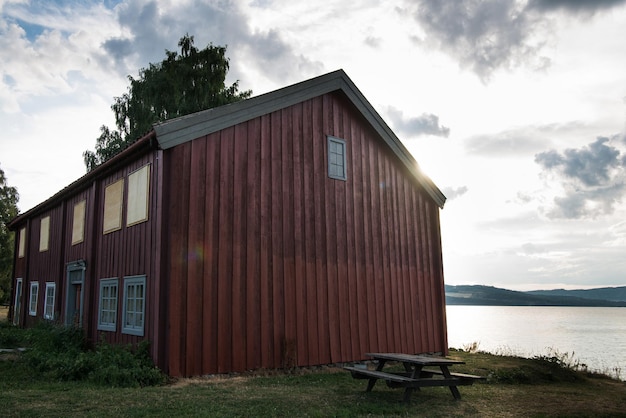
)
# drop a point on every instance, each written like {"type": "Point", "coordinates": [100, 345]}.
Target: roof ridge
{"type": "Point", "coordinates": [189, 127]}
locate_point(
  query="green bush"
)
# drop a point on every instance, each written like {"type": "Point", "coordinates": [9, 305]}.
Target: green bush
{"type": "Point", "coordinates": [120, 366]}
{"type": "Point", "coordinates": [10, 335]}
{"type": "Point", "coordinates": [62, 353]}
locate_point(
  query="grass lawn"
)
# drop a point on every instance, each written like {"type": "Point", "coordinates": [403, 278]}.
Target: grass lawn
{"type": "Point", "coordinates": [515, 388]}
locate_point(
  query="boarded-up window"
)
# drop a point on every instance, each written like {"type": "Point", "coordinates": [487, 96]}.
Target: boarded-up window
{"type": "Point", "coordinates": [22, 243]}
{"type": "Point", "coordinates": [44, 234]}
{"type": "Point", "coordinates": [78, 224]}
{"type": "Point", "coordinates": [138, 190]}
{"type": "Point", "coordinates": [113, 207]}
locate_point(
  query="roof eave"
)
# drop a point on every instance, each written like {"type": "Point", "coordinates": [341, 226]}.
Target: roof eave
{"type": "Point", "coordinates": [186, 128]}
{"type": "Point", "coordinates": [103, 169]}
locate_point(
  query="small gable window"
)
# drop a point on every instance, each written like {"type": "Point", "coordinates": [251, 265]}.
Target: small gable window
{"type": "Point", "coordinates": [337, 158]}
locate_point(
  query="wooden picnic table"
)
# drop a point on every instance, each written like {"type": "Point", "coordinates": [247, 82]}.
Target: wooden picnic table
{"type": "Point", "coordinates": [414, 375]}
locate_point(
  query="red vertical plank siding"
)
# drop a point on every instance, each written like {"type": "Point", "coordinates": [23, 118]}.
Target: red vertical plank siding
{"type": "Point", "coordinates": [311, 312]}
{"type": "Point", "coordinates": [331, 210]}
{"type": "Point", "coordinates": [195, 257]}
{"type": "Point", "coordinates": [265, 276]}
{"type": "Point", "coordinates": [438, 257]}
{"type": "Point", "coordinates": [276, 235]}
{"type": "Point", "coordinates": [298, 268]}
{"type": "Point", "coordinates": [353, 219]}
{"type": "Point", "coordinates": [288, 344]}
{"type": "Point", "coordinates": [299, 304]}
{"type": "Point", "coordinates": [239, 305]}
{"type": "Point", "coordinates": [404, 332]}
{"type": "Point", "coordinates": [341, 197]}
{"type": "Point", "coordinates": [178, 222]}
{"type": "Point", "coordinates": [321, 259]}
{"type": "Point", "coordinates": [426, 273]}
{"type": "Point", "coordinates": [158, 307]}
{"type": "Point", "coordinates": [410, 299]}
{"type": "Point", "coordinates": [211, 250]}
{"type": "Point", "coordinates": [253, 247]}
{"type": "Point", "coordinates": [368, 246]}
{"type": "Point", "coordinates": [375, 187]}
{"type": "Point", "coordinates": [225, 257]}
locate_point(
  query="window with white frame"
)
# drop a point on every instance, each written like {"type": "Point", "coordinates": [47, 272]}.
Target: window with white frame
{"type": "Point", "coordinates": [107, 312]}
{"type": "Point", "coordinates": [17, 307]}
{"type": "Point", "coordinates": [48, 311]}
{"type": "Point", "coordinates": [337, 158]}
{"type": "Point", "coordinates": [133, 313]}
{"type": "Point", "coordinates": [34, 297]}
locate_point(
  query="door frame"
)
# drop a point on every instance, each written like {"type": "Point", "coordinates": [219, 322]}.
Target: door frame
{"type": "Point", "coordinates": [75, 287]}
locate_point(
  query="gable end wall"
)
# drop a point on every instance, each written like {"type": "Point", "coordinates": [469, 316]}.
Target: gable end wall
{"type": "Point", "coordinates": [273, 264]}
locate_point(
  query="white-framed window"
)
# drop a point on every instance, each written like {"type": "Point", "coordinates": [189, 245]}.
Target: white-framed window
{"type": "Point", "coordinates": [107, 311]}
{"type": "Point", "coordinates": [48, 311]}
{"type": "Point", "coordinates": [34, 297]}
{"type": "Point", "coordinates": [133, 313]}
{"type": "Point", "coordinates": [17, 307]}
{"type": "Point", "coordinates": [337, 158]}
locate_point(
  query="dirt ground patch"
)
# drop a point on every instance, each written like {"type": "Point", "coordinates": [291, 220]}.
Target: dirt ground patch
{"type": "Point", "coordinates": [4, 312]}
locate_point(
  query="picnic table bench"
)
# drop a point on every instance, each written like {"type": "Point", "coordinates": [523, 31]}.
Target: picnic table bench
{"type": "Point", "coordinates": [414, 375]}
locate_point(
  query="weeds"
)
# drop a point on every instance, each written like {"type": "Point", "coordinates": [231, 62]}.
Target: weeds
{"type": "Point", "coordinates": [562, 360]}
{"type": "Point", "coordinates": [471, 347]}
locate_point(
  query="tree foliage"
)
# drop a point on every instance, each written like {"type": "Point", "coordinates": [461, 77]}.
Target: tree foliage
{"type": "Point", "coordinates": [8, 210]}
{"type": "Point", "coordinates": [183, 83]}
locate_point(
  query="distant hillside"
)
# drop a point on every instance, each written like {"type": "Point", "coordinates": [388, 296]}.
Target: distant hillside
{"type": "Point", "coordinates": [488, 295]}
{"type": "Point", "coordinates": [617, 294]}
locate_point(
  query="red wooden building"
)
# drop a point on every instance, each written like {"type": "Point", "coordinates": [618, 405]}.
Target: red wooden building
{"type": "Point", "coordinates": [289, 229]}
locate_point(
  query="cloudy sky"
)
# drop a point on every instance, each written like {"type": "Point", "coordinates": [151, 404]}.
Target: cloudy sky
{"type": "Point", "coordinates": [515, 108]}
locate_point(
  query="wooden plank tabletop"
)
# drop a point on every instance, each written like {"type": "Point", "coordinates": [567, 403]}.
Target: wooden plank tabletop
{"type": "Point", "coordinates": [414, 359]}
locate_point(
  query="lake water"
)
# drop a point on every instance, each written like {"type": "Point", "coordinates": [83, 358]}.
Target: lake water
{"type": "Point", "coordinates": [593, 336]}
